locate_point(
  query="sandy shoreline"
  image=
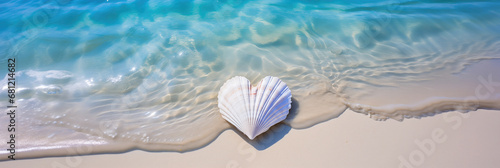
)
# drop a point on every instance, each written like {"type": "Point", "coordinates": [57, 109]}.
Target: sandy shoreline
{"type": "Point", "coordinates": [352, 140]}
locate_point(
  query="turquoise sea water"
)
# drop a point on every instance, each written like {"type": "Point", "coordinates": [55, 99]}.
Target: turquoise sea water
{"type": "Point", "coordinates": [145, 74]}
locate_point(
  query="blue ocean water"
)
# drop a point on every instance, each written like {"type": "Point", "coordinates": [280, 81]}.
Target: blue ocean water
{"type": "Point", "coordinates": [145, 74]}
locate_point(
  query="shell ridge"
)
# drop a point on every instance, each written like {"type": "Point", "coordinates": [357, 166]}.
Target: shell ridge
{"type": "Point", "coordinates": [276, 97]}
{"type": "Point", "coordinates": [252, 101]}
{"type": "Point", "coordinates": [265, 107]}
{"type": "Point", "coordinates": [223, 105]}
{"type": "Point", "coordinates": [279, 115]}
{"type": "Point", "coordinates": [268, 106]}
{"type": "Point", "coordinates": [236, 99]}
{"type": "Point", "coordinates": [225, 113]}
{"type": "Point", "coordinates": [255, 94]}
{"type": "Point", "coordinates": [233, 118]}
{"type": "Point", "coordinates": [260, 94]}
{"type": "Point", "coordinates": [271, 109]}
{"type": "Point", "coordinates": [281, 111]}
{"type": "Point", "coordinates": [243, 84]}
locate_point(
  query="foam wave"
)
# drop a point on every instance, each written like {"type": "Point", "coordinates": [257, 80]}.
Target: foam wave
{"type": "Point", "coordinates": [428, 107]}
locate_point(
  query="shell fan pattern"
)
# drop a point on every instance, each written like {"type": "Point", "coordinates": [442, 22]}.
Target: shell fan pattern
{"type": "Point", "coordinates": [253, 110]}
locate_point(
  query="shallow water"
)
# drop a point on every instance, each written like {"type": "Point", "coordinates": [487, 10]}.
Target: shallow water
{"type": "Point", "coordinates": [117, 75]}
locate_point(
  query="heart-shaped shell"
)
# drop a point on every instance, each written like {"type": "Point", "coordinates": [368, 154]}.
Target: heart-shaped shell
{"type": "Point", "coordinates": [254, 109]}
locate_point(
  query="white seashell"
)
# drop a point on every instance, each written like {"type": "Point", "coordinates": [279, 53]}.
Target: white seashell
{"type": "Point", "coordinates": [254, 109]}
